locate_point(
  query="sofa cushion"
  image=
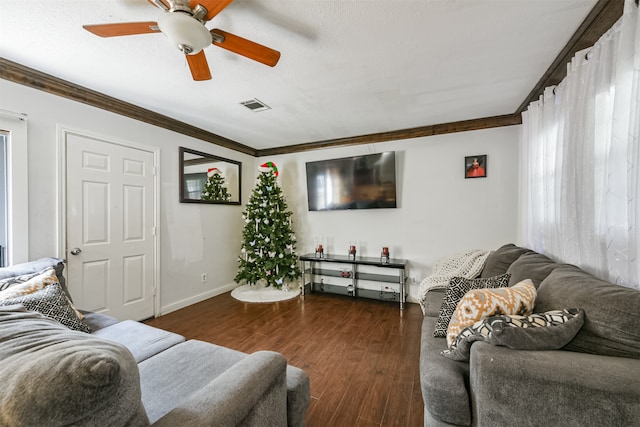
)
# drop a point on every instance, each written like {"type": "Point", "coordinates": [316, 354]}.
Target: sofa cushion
{"type": "Point", "coordinates": [53, 303]}
{"type": "Point", "coordinates": [51, 375]}
{"type": "Point", "coordinates": [531, 265]}
{"type": "Point", "coordinates": [612, 315]}
{"type": "Point", "coordinates": [458, 287]}
{"type": "Point", "coordinates": [479, 304]}
{"type": "Point", "coordinates": [552, 388]}
{"type": "Point", "coordinates": [443, 381]}
{"type": "Point", "coordinates": [97, 321]}
{"type": "Point", "coordinates": [499, 260]}
{"type": "Point", "coordinates": [213, 360]}
{"type": "Point", "coordinates": [168, 378]}
{"type": "Point", "coordinates": [551, 330]}
{"type": "Point", "coordinates": [143, 341]}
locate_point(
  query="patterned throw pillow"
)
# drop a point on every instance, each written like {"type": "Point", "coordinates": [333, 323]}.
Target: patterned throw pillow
{"type": "Point", "coordinates": [458, 287]}
{"type": "Point", "coordinates": [551, 330]}
{"type": "Point", "coordinates": [35, 283]}
{"type": "Point", "coordinates": [15, 280]}
{"type": "Point", "coordinates": [52, 302]}
{"type": "Point", "coordinates": [479, 304]}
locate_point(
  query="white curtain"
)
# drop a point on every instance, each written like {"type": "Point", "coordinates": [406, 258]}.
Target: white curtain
{"type": "Point", "coordinates": [579, 159]}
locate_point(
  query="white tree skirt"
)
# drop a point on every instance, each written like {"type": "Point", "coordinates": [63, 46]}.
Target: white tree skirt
{"type": "Point", "coordinates": [261, 293]}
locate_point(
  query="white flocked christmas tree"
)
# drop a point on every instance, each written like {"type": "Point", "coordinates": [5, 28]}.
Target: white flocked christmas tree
{"type": "Point", "coordinates": [268, 241]}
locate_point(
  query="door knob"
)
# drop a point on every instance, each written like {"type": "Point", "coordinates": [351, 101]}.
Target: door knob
{"type": "Point", "coordinates": [75, 251]}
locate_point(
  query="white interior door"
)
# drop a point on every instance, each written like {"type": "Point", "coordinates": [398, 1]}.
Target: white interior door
{"type": "Point", "coordinates": [110, 227]}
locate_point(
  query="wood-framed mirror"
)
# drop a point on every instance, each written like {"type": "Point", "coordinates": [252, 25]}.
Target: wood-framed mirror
{"type": "Point", "coordinates": [205, 178]}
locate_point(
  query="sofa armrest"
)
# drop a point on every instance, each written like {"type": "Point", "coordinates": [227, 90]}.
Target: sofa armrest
{"type": "Point", "coordinates": [533, 388]}
{"type": "Point", "coordinates": [251, 392]}
{"type": "Point", "coordinates": [433, 301]}
{"type": "Point", "coordinates": [443, 381]}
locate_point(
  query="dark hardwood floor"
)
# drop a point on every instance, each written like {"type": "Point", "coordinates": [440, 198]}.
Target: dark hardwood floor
{"type": "Point", "coordinates": [360, 354]}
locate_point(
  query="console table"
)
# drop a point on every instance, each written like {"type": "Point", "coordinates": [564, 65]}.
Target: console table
{"type": "Point", "coordinates": [312, 267]}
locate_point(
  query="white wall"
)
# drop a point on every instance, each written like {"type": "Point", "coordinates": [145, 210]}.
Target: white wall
{"type": "Point", "coordinates": [439, 212]}
{"type": "Point", "coordinates": [194, 238]}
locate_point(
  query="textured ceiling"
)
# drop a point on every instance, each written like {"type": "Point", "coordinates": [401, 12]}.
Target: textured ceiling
{"type": "Point", "coordinates": [348, 67]}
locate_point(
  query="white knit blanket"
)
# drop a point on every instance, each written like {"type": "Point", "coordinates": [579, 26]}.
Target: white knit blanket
{"type": "Point", "coordinates": [464, 264]}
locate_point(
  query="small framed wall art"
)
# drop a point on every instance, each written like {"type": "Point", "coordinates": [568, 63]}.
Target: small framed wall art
{"type": "Point", "coordinates": [475, 166]}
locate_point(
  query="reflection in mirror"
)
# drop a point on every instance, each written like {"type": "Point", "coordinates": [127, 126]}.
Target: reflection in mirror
{"type": "Point", "coordinates": [205, 178]}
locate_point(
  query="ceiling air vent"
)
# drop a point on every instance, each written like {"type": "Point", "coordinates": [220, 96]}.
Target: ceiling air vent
{"type": "Point", "coordinates": [255, 105]}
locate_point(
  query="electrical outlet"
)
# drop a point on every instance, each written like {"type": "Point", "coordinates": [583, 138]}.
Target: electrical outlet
{"type": "Point", "coordinates": [203, 278]}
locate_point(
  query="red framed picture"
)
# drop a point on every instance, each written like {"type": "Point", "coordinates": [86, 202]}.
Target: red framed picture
{"type": "Point", "coordinates": [475, 166]}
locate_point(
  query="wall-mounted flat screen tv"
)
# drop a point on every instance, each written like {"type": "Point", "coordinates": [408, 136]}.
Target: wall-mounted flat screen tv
{"type": "Point", "coordinates": [360, 182]}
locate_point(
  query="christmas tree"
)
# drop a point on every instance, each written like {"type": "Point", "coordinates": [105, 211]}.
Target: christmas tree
{"type": "Point", "coordinates": [268, 243]}
{"type": "Point", "coordinates": [215, 187]}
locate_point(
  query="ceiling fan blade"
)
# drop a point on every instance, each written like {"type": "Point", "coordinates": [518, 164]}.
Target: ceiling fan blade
{"type": "Point", "coordinates": [246, 48]}
{"type": "Point", "coordinates": [162, 4]}
{"type": "Point", "coordinates": [199, 66]}
{"type": "Point", "coordinates": [214, 7]}
{"type": "Point", "coordinates": [122, 29]}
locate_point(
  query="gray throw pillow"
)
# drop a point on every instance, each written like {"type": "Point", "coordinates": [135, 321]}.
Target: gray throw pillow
{"type": "Point", "coordinates": [551, 330]}
{"type": "Point", "coordinates": [458, 286]}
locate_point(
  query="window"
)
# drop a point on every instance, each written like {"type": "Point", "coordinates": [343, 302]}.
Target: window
{"type": "Point", "coordinates": [4, 140]}
{"type": "Point", "coordinates": [13, 131]}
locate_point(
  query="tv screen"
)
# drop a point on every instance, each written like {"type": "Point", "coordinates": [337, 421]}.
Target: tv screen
{"type": "Point", "coordinates": [360, 182]}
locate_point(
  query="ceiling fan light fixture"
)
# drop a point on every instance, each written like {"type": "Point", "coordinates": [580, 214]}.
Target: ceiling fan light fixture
{"type": "Point", "coordinates": [185, 32]}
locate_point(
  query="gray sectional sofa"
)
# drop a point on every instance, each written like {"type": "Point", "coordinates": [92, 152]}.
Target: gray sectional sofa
{"type": "Point", "coordinates": [129, 373]}
{"type": "Point", "coordinates": [593, 380]}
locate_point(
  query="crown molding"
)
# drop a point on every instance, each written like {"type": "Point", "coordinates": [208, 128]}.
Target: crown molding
{"type": "Point", "coordinates": [26, 76]}
{"type": "Point", "coordinates": [603, 15]}
{"type": "Point", "coordinates": [601, 18]}
{"type": "Point", "coordinates": [418, 132]}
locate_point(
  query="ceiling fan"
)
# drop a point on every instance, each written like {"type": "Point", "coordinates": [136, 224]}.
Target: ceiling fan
{"type": "Point", "coordinates": [183, 22]}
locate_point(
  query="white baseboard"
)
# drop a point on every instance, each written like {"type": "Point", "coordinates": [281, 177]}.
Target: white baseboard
{"type": "Point", "coordinates": [166, 309]}
{"type": "Point", "coordinates": [413, 293]}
